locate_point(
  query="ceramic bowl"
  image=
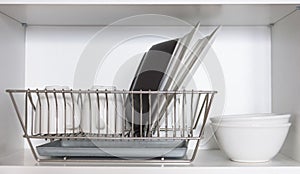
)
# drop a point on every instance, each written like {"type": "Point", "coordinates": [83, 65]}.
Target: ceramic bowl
{"type": "Point", "coordinates": [105, 119]}
{"type": "Point", "coordinates": [50, 115]}
{"type": "Point", "coordinates": [245, 119]}
{"type": "Point", "coordinates": [250, 143]}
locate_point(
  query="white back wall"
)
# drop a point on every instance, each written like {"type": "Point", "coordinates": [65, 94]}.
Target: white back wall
{"type": "Point", "coordinates": [241, 54]}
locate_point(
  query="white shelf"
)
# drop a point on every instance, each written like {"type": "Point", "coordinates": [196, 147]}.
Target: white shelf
{"type": "Point", "coordinates": [150, 2]}
{"type": "Point", "coordinates": [208, 161]}
{"type": "Point", "coordinates": [102, 15]}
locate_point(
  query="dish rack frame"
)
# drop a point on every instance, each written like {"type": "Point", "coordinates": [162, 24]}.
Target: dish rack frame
{"type": "Point", "coordinates": [193, 133]}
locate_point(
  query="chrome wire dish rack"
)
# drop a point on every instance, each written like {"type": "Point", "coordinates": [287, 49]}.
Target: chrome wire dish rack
{"type": "Point", "coordinates": [149, 121]}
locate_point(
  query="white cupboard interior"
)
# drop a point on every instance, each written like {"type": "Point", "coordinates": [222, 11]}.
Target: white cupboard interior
{"type": "Point", "coordinates": [257, 50]}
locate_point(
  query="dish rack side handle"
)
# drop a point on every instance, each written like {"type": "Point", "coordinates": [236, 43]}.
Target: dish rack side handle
{"type": "Point", "coordinates": [21, 121]}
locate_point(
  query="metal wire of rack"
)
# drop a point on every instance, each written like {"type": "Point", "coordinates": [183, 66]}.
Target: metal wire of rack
{"type": "Point", "coordinates": [101, 115]}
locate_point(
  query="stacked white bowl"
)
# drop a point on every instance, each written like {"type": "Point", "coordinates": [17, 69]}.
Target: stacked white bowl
{"type": "Point", "coordinates": [251, 138]}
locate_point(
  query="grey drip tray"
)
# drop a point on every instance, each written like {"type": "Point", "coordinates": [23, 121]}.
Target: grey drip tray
{"type": "Point", "coordinates": [114, 148]}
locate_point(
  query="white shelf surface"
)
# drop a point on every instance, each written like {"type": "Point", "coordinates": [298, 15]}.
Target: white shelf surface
{"type": "Point", "coordinates": [102, 15]}
{"type": "Point", "coordinates": [150, 2]}
{"type": "Point", "coordinates": [208, 161]}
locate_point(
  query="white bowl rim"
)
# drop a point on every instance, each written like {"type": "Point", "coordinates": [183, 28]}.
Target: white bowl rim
{"type": "Point", "coordinates": [238, 117]}
{"type": "Point", "coordinates": [101, 87]}
{"type": "Point", "coordinates": [57, 87]}
{"type": "Point", "coordinates": [252, 125]}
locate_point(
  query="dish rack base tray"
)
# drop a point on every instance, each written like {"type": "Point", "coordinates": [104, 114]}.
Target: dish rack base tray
{"type": "Point", "coordinates": [111, 149]}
